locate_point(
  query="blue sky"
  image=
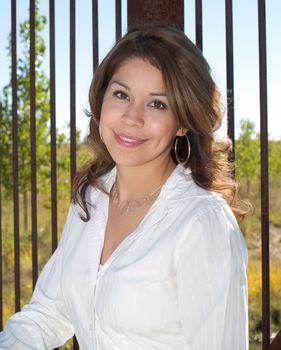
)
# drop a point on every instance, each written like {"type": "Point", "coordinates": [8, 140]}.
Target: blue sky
{"type": "Point", "coordinates": [246, 83]}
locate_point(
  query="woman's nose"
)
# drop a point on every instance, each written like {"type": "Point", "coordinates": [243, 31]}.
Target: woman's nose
{"type": "Point", "coordinates": [134, 115]}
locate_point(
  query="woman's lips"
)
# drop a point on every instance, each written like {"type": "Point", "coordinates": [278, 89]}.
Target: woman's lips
{"type": "Point", "coordinates": [128, 140]}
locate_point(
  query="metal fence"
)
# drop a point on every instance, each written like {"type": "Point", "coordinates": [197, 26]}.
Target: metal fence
{"type": "Point", "coordinates": [169, 12]}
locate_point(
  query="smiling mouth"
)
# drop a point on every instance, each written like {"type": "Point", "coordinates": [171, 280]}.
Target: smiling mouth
{"type": "Point", "coordinates": [126, 140]}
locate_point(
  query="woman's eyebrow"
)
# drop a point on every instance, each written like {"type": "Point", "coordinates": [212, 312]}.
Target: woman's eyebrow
{"type": "Point", "coordinates": [125, 86]}
{"type": "Point", "coordinates": [121, 84]}
{"type": "Point", "coordinates": [158, 94]}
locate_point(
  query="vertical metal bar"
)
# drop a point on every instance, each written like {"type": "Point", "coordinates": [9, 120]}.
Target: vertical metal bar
{"type": "Point", "coordinates": [118, 19]}
{"type": "Point", "coordinates": [72, 106]}
{"type": "Point", "coordinates": [33, 144]}
{"type": "Point", "coordinates": [72, 93]}
{"type": "Point", "coordinates": [15, 154]}
{"type": "Point", "coordinates": [264, 176]}
{"type": "Point", "coordinates": [229, 74]}
{"type": "Point", "coordinates": [1, 241]}
{"type": "Point", "coordinates": [95, 33]}
{"type": "Point", "coordinates": [53, 126]}
{"type": "Point", "coordinates": [198, 24]}
{"type": "Point", "coordinates": [1, 261]}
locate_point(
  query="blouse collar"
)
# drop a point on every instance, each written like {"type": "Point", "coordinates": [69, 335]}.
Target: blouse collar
{"type": "Point", "coordinates": [173, 188]}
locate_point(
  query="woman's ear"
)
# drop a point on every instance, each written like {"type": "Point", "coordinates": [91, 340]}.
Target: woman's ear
{"type": "Point", "coordinates": [181, 132]}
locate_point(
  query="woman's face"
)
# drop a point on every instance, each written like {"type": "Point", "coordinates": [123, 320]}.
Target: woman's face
{"type": "Point", "coordinates": [137, 123]}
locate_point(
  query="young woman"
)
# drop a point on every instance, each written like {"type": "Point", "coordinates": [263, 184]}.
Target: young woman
{"type": "Point", "coordinates": [151, 255]}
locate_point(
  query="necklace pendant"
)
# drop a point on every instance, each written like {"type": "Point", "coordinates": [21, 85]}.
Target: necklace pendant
{"type": "Point", "coordinates": [133, 205]}
{"type": "Point", "coordinates": [130, 206]}
{"type": "Point", "coordinates": [123, 207]}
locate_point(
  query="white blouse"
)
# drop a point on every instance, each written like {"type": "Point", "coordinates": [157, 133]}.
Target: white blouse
{"type": "Point", "coordinates": [177, 282]}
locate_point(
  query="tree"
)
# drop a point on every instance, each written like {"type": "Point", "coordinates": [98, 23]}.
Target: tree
{"type": "Point", "coordinates": [274, 158]}
{"type": "Point", "coordinates": [42, 118]}
{"type": "Point", "coordinates": [247, 152]}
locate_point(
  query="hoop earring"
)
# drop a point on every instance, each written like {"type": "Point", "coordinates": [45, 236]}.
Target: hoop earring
{"type": "Point", "coordinates": [100, 134]}
{"type": "Point", "coordinates": [179, 159]}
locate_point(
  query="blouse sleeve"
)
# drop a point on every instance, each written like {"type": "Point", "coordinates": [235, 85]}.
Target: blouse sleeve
{"type": "Point", "coordinates": [43, 323]}
{"type": "Point", "coordinates": [212, 283]}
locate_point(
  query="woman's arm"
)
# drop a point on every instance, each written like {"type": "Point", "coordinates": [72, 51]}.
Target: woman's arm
{"type": "Point", "coordinates": [212, 284]}
{"type": "Point", "coordinates": [44, 323]}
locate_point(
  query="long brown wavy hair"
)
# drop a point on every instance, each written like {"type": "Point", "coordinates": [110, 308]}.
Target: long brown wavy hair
{"type": "Point", "coordinates": [194, 99]}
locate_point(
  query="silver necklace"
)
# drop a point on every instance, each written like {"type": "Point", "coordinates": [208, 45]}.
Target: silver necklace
{"type": "Point", "coordinates": [129, 206]}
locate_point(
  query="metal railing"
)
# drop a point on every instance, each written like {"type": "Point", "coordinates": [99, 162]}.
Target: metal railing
{"type": "Point", "coordinates": [134, 16]}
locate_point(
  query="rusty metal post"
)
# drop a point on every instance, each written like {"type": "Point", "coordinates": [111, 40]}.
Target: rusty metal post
{"type": "Point", "coordinates": [72, 37]}
{"type": "Point", "coordinates": [162, 12]}
{"type": "Point", "coordinates": [53, 127]}
{"type": "Point", "coordinates": [33, 147]}
{"type": "Point", "coordinates": [264, 177]}
{"type": "Point", "coordinates": [15, 154]}
{"type": "Point", "coordinates": [199, 24]}
{"type": "Point", "coordinates": [1, 258]}
{"type": "Point", "coordinates": [118, 19]}
{"type": "Point", "coordinates": [95, 34]}
{"type": "Point", "coordinates": [230, 75]}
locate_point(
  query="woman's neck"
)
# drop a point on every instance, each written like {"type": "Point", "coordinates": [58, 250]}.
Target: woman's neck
{"type": "Point", "coordinates": [137, 182]}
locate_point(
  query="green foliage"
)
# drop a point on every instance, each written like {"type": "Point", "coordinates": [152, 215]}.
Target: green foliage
{"type": "Point", "coordinates": [274, 161]}
{"type": "Point", "coordinates": [247, 150]}
{"type": "Point", "coordinates": [42, 99]}
{"type": "Point", "coordinates": [248, 174]}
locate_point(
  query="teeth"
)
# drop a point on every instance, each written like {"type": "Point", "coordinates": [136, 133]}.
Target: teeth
{"type": "Point", "coordinates": [126, 139]}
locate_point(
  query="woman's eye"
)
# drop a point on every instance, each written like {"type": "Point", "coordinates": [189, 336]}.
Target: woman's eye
{"type": "Point", "coordinates": [158, 104]}
{"type": "Point", "coordinates": [121, 95]}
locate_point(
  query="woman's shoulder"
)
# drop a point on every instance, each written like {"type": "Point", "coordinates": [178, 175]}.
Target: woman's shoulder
{"type": "Point", "coordinates": [204, 216]}
{"type": "Point", "coordinates": [182, 191]}
{"type": "Point", "coordinates": [93, 193]}
{"type": "Point", "coordinates": [200, 210]}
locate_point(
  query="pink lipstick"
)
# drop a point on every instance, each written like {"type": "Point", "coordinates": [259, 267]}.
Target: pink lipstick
{"type": "Point", "coordinates": [128, 140]}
